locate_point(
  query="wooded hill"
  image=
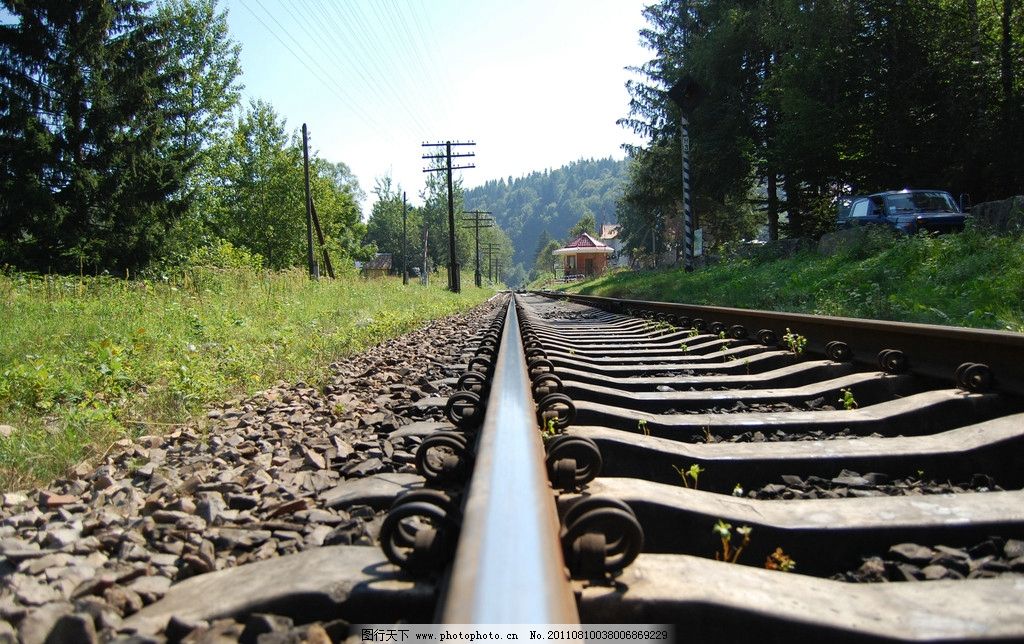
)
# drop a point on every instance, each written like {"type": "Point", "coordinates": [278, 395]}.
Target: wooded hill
{"type": "Point", "coordinates": [551, 201]}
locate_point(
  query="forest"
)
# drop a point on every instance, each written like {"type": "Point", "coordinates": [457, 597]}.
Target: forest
{"type": "Point", "coordinates": [125, 146]}
{"type": "Point", "coordinates": [803, 102]}
{"type": "Point", "coordinates": [543, 205]}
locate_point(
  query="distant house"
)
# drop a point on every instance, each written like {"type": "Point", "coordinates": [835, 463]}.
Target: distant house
{"type": "Point", "coordinates": [379, 266]}
{"type": "Point", "coordinates": [610, 236]}
{"type": "Point", "coordinates": [584, 256]}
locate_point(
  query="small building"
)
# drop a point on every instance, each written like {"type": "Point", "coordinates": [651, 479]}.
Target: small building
{"type": "Point", "coordinates": [610, 236]}
{"type": "Point", "coordinates": [584, 256]}
{"type": "Point", "coordinates": [379, 266]}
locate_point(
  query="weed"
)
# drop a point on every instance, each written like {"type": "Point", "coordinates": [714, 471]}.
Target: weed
{"type": "Point", "coordinates": [550, 427]}
{"type": "Point", "coordinates": [693, 333]}
{"type": "Point", "coordinates": [642, 426]}
{"type": "Point", "coordinates": [779, 560]}
{"type": "Point", "coordinates": [729, 553]}
{"type": "Point", "coordinates": [848, 401]}
{"type": "Point", "coordinates": [795, 342]}
{"type": "Point", "coordinates": [708, 438]}
{"type": "Point", "coordinates": [693, 473]}
{"type": "Point", "coordinates": [737, 490]}
{"type": "Point", "coordinates": [684, 347]}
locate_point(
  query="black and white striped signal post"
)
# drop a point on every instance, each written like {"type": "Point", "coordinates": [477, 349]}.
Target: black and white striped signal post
{"type": "Point", "coordinates": [686, 93]}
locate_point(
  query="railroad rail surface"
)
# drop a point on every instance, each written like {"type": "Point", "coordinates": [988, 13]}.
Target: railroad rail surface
{"type": "Point", "coordinates": [550, 459]}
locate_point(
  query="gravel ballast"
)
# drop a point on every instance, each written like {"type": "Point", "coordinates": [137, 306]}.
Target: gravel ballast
{"type": "Point", "coordinates": [266, 476]}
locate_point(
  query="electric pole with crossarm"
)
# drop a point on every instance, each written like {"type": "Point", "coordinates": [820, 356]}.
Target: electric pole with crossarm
{"type": "Point", "coordinates": [453, 265]}
{"type": "Point", "coordinates": [478, 220]}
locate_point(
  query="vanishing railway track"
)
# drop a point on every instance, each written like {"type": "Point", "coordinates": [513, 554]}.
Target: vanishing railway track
{"type": "Point", "coordinates": [602, 454]}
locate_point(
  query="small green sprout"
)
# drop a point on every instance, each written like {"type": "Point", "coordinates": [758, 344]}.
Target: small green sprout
{"type": "Point", "coordinates": [779, 560]}
{"type": "Point", "coordinates": [920, 474]}
{"type": "Point", "coordinates": [796, 342]}
{"type": "Point", "coordinates": [684, 347]}
{"type": "Point", "coordinates": [721, 335]}
{"type": "Point", "coordinates": [737, 490]}
{"type": "Point", "coordinates": [642, 426]}
{"type": "Point", "coordinates": [693, 473]}
{"type": "Point", "coordinates": [724, 531]}
{"type": "Point", "coordinates": [550, 426]}
{"type": "Point", "coordinates": [848, 401]}
{"type": "Point", "coordinates": [694, 333]}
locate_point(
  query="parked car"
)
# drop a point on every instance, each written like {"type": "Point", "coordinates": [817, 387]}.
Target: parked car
{"type": "Point", "coordinates": [907, 211]}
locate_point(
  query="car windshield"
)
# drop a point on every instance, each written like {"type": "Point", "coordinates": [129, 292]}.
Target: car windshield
{"type": "Point", "coordinates": [919, 201]}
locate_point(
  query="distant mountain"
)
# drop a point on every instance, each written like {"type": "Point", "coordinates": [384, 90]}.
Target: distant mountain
{"type": "Point", "coordinates": [552, 200]}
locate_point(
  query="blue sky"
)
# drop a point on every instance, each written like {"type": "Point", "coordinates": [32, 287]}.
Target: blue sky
{"type": "Point", "coordinates": [536, 84]}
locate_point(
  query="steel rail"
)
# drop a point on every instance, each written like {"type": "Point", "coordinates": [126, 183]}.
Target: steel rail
{"type": "Point", "coordinates": [508, 566]}
{"type": "Point", "coordinates": [932, 350]}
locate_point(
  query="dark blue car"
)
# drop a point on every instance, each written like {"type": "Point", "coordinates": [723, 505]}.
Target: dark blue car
{"type": "Point", "coordinates": [908, 211]}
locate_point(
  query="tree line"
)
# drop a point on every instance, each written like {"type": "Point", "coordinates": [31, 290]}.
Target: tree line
{"type": "Point", "coordinates": [542, 206]}
{"type": "Point", "coordinates": [806, 101]}
{"type": "Point", "coordinates": [426, 228]}
{"type": "Point", "coordinates": [124, 144]}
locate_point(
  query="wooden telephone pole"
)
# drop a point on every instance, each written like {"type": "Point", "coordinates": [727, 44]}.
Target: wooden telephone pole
{"type": "Point", "coordinates": [453, 265]}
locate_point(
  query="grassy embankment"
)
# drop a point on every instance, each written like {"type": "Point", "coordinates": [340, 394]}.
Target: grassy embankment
{"type": "Point", "coordinates": [969, 279]}
{"type": "Point", "coordinates": [87, 361]}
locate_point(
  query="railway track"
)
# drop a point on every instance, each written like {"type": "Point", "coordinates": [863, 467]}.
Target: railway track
{"type": "Point", "coordinates": [732, 472]}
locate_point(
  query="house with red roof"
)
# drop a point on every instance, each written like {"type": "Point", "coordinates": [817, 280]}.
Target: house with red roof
{"type": "Point", "coordinates": [584, 256]}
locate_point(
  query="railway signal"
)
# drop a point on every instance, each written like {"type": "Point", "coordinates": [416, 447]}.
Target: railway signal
{"type": "Point", "coordinates": [686, 94]}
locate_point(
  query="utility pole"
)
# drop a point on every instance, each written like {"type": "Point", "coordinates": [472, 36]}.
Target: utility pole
{"type": "Point", "coordinates": [478, 220]}
{"type": "Point", "coordinates": [426, 230]}
{"type": "Point", "coordinates": [405, 253]}
{"type": "Point", "coordinates": [490, 249]}
{"type": "Point", "coordinates": [313, 273]}
{"type": "Point", "coordinates": [453, 265]}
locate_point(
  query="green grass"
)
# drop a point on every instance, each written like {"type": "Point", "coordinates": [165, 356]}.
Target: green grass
{"type": "Point", "coordinates": [969, 279]}
{"type": "Point", "coordinates": [87, 361]}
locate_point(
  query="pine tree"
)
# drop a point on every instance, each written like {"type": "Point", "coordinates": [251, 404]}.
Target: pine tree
{"type": "Point", "coordinates": [87, 168]}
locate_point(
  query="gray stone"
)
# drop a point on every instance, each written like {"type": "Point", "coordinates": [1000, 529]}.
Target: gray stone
{"type": "Point", "coordinates": [7, 633]}
{"type": "Point", "coordinates": [36, 626]}
{"type": "Point", "coordinates": [377, 491]}
{"type": "Point", "coordinates": [155, 585]}
{"type": "Point", "coordinates": [934, 571]}
{"type": "Point", "coordinates": [63, 537]}
{"type": "Point", "coordinates": [75, 628]}
{"type": "Point", "coordinates": [209, 505]}
{"type": "Point", "coordinates": [29, 590]}
{"type": "Point", "coordinates": [1013, 548]}
{"type": "Point", "coordinates": [177, 628]}
{"type": "Point", "coordinates": [260, 624]}
{"type": "Point", "coordinates": [14, 499]}
{"type": "Point", "coordinates": [912, 553]}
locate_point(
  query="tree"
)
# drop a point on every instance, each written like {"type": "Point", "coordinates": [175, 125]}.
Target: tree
{"type": "Point", "coordinates": [263, 195]}
{"type": "Point", "coordinates": [88, 170]}
{"type": "Point", "coordinates": [384, 229]}
{"type": "Point", "coordinates": [805, 101]}
{"type": "Point", "coordinates": [585, 224]}
{"type": "Point", "coordinates": [542, 242]}
{"type": "Point", "coordinates": [204, 68]}
{"type": "Point", "coordinates": [546, 261]}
